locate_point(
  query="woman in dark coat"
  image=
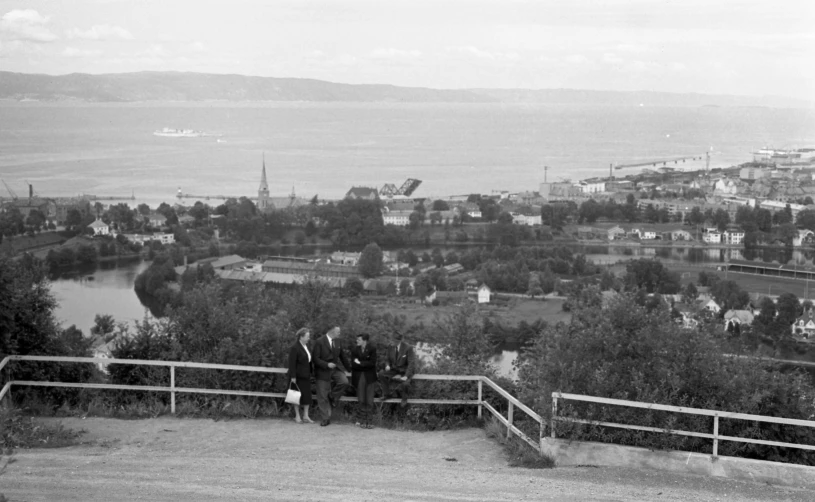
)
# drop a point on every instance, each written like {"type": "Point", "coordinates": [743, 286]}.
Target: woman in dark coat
{"type": "Point", "coordinates": [363, 378]}
{"type": "Point", "coordinates": [300, 373]}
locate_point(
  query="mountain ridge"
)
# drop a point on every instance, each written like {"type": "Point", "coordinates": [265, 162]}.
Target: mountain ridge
{"type": "Point", "coordinates": [192, 87]}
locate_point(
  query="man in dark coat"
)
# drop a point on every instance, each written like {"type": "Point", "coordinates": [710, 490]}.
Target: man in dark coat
{"type": "Point", "coordinates": [331, 364]}
{"type": "Point", "coordinates": [363, 378]}
{"type": "Point", "coordinates": [399, 369]}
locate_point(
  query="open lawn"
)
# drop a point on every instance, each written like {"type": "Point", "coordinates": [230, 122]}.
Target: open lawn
{"type": "Point", "coordinates": [760, 284]}
{"type": "Point", "coordinates": [509, 314]}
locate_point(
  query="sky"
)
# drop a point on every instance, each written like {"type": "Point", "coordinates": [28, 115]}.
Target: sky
{"type": "Point", "coordinates": [737, 47]}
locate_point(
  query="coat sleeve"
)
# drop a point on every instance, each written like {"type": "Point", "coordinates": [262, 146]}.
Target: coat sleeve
{"type": "Point", "coordinates": [292, 373]}
{"type": "Point", "coordinates": [317, 355]}
{"type": "Point", "coordinates": [411, 360]}
{"type": "Point", "coordinates": [370, 362]}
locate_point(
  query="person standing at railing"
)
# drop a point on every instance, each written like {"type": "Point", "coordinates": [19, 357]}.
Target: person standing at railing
{"type": "Point", "coordinates": [363, 378]}
{"type": "Point", "coordinates": [330, 363]}
{"type": "Point", "coordinates": [399, 369]}
{"type": "Point", "coordinates": [300, 373]}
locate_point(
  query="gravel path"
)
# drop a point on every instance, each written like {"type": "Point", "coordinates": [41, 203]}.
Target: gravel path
{"type": "Point", "coordinates": [197, 460]}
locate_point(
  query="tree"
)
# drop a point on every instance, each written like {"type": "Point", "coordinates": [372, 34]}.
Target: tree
{"type": "Point", "coordinates": [73, 218]}
{"type": "Point", "coordinates": [411, 259]}
{"type": "Point", "coordinates": [806, 219]}
{"type": "Point", "coordinates": [144, 209]}
{"type": "Point", "coordinates": [534, 288]}
{"type": "Point", "coordinates": [789, 309]}
{"type": "Point", "coordinates": [103, 325]}
{"type": "Point", "coordinates": [690, 293]}
{"type": "Point", "coordinates": [440, 205]}
{"type": "Point", "coordinates": [625, 351]}
{"type": "Point", "coordinates": [696, 217]}
{"type": "Point", "coordinates": [652, 276]}
{"type": "Point", "coordinates": [370, 261]}
{"type": "Point", "coordinates": [353, 287]}
{"type": "Point", "coordinates": [721, 219]}
{"type": "Point", "coordinates": [505, 219]}
{"type": "Point", "coordinates": [729, 295]}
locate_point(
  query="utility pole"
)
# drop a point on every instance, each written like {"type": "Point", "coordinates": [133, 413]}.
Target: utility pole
{"type": "Point", "coordinates": [545, 168]}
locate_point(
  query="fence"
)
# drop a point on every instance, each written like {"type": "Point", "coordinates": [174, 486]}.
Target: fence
{"type": "Point", "coordinates": [715, 436]}
{"type": "Point", "coordinates": [508, 421]}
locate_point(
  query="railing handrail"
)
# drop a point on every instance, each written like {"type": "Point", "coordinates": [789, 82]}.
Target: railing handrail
{"type": "Point", "coordinates": [508, 421]}
{"type": "Point", "coordinates": [715, 414]}
{"type": "Point", "coordinates": [509, 397]}
{"type": "Point", "coordinates": [213, 366]}
{"type": "Point", "coordinates": [683, 409]}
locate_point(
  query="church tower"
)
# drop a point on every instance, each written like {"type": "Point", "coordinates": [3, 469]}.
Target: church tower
{"type": "Point", "coordinates": [263, 190]}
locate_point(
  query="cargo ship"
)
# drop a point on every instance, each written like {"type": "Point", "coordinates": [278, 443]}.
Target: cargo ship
{"type": "Point", "coordinates": [178, 133]}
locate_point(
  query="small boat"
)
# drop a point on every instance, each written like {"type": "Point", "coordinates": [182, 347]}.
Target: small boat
{"type": "Point", "coordinates": [178, 133]}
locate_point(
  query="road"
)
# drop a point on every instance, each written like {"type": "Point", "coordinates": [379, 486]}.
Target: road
{"type": "Point", "coordinates": [198, 460]}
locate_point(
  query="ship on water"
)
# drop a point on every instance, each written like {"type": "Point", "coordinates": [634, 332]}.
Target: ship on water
{"type": "Point", "coordinates": [178, 133]}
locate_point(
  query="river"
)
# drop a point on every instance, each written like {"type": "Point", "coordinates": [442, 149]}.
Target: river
{"type": "Point", "coordinates": [107, 288]}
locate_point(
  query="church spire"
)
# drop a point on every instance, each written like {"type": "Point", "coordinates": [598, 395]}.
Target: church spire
{"type": "Point", "coordinates": [264, 186]}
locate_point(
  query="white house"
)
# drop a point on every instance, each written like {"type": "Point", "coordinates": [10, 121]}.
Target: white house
{"type": "Point", "coordinates": [99, 227]}
{"type": "Point", "coordinates": [484, 294]}
{"type": "Point", "coordinates": [712, 237]}
{"type": "Point", "coordinates": [596, 187]}
{"type": "Point", "coordinates": [396, 217]}
{"type": "Point", "coordinates": [157, 220]}
{"type": "Point", "coordinates": [711, 306]}
{"type": "Point", "coordinates": [732, 237]}
{"type": "Point", "coordinates": [732, 318]}
{"type": "Point", "coordinates": [646, 235]}
{"type": "Point", "coordinates": [142, 238]}
{"type": "Point", "coordinates": [522, 219]}
{"type": "Point", "coordinates": [345, 258]}
{"type": "Point", "coordinates": [616, 233]}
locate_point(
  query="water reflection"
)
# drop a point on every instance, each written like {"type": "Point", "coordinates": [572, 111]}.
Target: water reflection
{"type": "Point", "coordinates": [103, 289]}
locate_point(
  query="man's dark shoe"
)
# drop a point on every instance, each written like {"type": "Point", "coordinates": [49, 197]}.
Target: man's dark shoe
{"type": "Point", "coordinates": [403, 403]}
{"type": "Point", "coordinates": [332, 402]}
{"type": "Point", "coordinates": [325, 422]}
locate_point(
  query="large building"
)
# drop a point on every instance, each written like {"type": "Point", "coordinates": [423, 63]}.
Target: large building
{"type": "Point", "coordinates": [558, 191]}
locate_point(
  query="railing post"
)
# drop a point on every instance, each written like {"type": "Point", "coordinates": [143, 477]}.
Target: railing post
{"type": "Point", "coordinates": [510, 413]}
{"type": "Point", "coordinates": [480, 396]}
{"type": "Point", "coordinates": [715, 437]}
{"type": "Point", "coordinates": [172, 389]}
{"type": "Point", "coordinates": [554, 414]}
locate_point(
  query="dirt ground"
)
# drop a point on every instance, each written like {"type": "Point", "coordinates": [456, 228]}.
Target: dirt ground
{"type": "Point", "coordinates": [196, 459]}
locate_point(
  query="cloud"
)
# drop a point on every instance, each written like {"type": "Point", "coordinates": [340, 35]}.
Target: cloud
{"type": "Point", "coordinates": [73, 52]}
{"type": "Point", "coordinates": [26, 24]}
{"type": "Point", "coordinates": [101, 32]}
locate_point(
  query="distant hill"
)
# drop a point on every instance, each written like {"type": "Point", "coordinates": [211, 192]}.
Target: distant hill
{"type": "Point", "coordinates": [177, 86]}
{"type": "Point", "coordinates": [183, 86]}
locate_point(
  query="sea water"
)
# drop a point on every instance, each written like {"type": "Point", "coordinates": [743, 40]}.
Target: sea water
{"type": "Point", "coordinates": [323, 149]}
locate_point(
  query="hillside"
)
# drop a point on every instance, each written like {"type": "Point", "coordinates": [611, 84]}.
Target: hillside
{"type": "Point", "coordinates": [185, 86]}
{"type": "Point", "coordinates": [176, 86]}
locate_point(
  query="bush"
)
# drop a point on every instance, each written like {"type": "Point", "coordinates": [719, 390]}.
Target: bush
{"type": "Point", "coordinates": [626, 351]}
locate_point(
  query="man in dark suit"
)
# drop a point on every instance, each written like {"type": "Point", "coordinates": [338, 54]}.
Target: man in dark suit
{"type": "Point", "coordinates": [399, 369]}
{"type": "Point", "coordinates": [331, 364]}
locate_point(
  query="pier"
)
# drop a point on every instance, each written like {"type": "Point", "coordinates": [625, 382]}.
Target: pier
{"type": "Point", "coordinates": [180, 195]}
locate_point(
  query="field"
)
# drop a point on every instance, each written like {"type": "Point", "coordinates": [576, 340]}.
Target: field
{"type": "Point", "coordinates": [759, 284]}
{"type": "Point", "coordinates": [509, 314]}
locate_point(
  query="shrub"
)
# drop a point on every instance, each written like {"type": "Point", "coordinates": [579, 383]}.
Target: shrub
{"type": "Point", "coordinates": [626, 351]}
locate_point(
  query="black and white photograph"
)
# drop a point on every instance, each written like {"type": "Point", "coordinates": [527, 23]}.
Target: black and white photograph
{"type": "Point", "coordinates": [366, 250]}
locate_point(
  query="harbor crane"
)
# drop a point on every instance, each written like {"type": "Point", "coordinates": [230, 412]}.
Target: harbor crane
{"type": "Point", "coordinates": [10, 191]}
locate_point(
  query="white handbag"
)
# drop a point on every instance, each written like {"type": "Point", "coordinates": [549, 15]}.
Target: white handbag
{"type": "Point", "coordinates": [293, 395]}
